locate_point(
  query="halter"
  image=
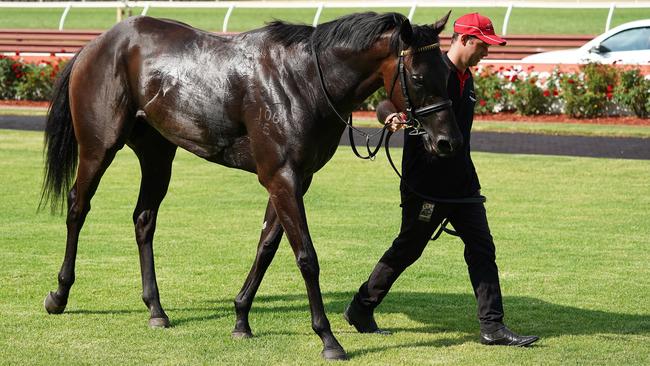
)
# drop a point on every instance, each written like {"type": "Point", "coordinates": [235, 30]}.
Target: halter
{"type": "Point", "coordinates": [411, 114]}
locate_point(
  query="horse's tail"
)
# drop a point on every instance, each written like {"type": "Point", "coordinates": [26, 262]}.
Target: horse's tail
{"type": "Point", "coordinates": [60, 148]}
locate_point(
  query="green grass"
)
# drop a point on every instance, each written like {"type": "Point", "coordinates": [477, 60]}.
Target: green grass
{"type": "Point", "coordinates": [522, 21]}
{"type": "Point", "coordinates": [23, 111]}
{"type": "Point", "coordinates": [571, 235]}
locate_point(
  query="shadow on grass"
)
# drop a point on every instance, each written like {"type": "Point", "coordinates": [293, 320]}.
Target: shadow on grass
{"type": "Point", "coordinates": [434, 313]}
{"type": "Point", "coordinates": [440, 312]}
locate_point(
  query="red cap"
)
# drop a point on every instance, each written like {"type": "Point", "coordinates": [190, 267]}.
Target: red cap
{"type": "Point", "coordinates": [479, 26]}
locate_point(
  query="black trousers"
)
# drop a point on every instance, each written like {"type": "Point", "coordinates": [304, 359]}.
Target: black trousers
{"type": "Point", "coordinates": [470, 222]}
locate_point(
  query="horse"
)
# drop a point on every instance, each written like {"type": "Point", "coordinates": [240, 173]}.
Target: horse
{"type": "Point", "coordinates": [267, 101]}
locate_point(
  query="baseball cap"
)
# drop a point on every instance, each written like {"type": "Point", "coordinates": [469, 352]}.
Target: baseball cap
{"type": "Point", "coordinates": [474, 24]}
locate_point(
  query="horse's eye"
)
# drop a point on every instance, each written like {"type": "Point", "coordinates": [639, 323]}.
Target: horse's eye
{"type": "Point", "coordinates": [417, 79]}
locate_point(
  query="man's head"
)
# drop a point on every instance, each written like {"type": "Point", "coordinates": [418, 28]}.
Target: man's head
{"type": "Point", "coordinates": [473, 35]}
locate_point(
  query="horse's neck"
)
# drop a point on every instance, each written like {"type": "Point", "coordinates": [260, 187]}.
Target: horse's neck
{"type": "Point", "coordinates": [350, 78]}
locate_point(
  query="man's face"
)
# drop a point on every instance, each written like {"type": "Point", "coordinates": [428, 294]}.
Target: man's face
{"type": "Point", "coordinates": [476, 50]}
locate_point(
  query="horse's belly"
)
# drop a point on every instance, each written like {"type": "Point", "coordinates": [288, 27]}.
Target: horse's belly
{"type": "Point", "coordinates": [204, 134]}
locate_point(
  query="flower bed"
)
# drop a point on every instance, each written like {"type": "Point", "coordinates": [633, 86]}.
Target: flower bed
{"type": "Point", "coordinates": [593, 91]}
{"type": "Point", "coordinates": [21, 80]}
{"type": "Point", "coordinates": [596, 90]}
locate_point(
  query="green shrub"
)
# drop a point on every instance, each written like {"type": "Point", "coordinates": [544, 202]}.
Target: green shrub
{"type": "Point", "coordinates": [589, 94]}
{"type": "Point", "coordinates": [529, 98]}
{"type": "Point", "coordinates": [490, 90]}
{"type": "Point", "coordinates": [633, 92]}
{"type": "Point", "coordinates": [27, 81]}
{"type": "Point", "coordinates": [10, 72]}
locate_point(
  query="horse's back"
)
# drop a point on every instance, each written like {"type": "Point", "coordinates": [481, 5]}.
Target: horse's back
{"type": "Point", "coordinates": [174, 76]}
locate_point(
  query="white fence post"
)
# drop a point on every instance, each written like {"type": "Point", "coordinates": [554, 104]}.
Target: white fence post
{"type": "Point", "coordinates": [609, 16]}
{"type": "Point", "coordinates": [506, 20]}
{"type": "Point", "coordinates": [145, 9]}
{"type": "Point", "coordinates": [412, 12]}
{"type": "Point", "coordinates": [65, 14]}
{"type": "Point", "coordinates": [225, 19]}
{"type": "Point", "coordinates": [317, 16]}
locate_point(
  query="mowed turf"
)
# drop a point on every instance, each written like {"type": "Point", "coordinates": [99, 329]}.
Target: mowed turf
{"type": "Point", "coordinates": [572, 238]}
{"type": "Point", "coordinates": [522, 20]}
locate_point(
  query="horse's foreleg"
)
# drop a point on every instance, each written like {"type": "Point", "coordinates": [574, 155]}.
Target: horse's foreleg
{"type": "Point", "coordinates": [286, 195]}
{"type": "Point", "coordinates": [155, 155]}
{"type": "Point", "coordinates": [92, 166]}
{"type": "Point", "coordinates": [268, 245]}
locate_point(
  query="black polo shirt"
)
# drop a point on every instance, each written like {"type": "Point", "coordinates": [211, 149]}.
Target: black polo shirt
{"type": "Point", "coordinates": [452, 177]}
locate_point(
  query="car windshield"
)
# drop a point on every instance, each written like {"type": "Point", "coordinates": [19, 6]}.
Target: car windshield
{"type": "Point", "coordinates": [628, 40]}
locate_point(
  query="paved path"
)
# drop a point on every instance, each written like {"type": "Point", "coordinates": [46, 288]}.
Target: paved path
{"type": "Point", "coordinates": [528, 143]}
{"type": "Point", "coordinates": [512, 143]}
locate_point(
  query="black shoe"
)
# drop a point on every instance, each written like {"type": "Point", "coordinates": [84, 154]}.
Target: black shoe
{"type": "Point", "coordinates": [505, 337]}
{"type": "Point", "coordinates": [362, 320]}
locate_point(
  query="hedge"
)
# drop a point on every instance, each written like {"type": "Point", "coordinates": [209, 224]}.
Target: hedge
{"type": "Point", "coordinates": [596, 90]}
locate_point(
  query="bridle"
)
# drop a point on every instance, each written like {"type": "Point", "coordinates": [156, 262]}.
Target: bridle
{"type": "Point", "coordinates": [411, 113]}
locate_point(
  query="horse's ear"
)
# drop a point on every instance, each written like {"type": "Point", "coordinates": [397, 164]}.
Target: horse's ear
{"type": "Point", "coordinates": [439, 25]}
{"type": "Point", "coordinates": [406, 32]}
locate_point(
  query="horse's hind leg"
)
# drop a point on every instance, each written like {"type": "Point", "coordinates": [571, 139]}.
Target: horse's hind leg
{"type": "Point", "coordinates": [92, 165]}
{"type": "Point", "coordinates": [155, 155]}
{"type": "Point", "coordinates": [266, 249]}
{"type": "Point", "coordinates": [268, 245]}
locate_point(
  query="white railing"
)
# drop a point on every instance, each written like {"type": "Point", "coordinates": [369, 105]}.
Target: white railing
{"type": "Point", "coordinates": [319, 6]}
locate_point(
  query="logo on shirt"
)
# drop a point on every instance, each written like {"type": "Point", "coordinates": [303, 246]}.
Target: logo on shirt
{"type": "Point", "coordinates": [426, 212]}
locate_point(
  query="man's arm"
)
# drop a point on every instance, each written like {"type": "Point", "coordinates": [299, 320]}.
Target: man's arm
{"type": "Point", "coordinates": [388, 115]}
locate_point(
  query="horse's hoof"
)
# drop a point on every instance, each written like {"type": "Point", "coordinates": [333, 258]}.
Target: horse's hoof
{"type": "Point", "coordinates": [53, 304]}
{"type": "Point", "coordinates": [159, 323]}
{"type": "Point", "coordinates": [334, 354]}
{"type": "Point", "coordinates": [241, 334]}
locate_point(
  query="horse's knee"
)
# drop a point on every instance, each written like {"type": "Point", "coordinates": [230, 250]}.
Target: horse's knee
{"type": "Point", "coordinates": [308, 264]}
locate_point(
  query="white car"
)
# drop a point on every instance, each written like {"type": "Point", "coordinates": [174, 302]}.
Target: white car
{"type": "Point", "coordinates": [628, 44]}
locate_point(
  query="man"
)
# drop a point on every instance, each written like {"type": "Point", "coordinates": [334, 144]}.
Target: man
{"type": "Point", "coordinates": [455, 178]}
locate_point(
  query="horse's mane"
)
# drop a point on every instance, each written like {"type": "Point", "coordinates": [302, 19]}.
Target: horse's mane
{"type": "Point", "coordinates": [356, 31]}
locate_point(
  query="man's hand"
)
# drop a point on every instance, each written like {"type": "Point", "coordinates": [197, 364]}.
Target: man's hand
{"type": "Point", "coordinates": [395, 121]}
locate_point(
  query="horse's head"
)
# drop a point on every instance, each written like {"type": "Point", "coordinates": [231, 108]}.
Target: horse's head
{"type": "Point", "coordinates": [417, 85]}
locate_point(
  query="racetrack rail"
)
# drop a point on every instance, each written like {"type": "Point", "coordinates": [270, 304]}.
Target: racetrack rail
{"type": "Point", "coordinates": [48, 42]}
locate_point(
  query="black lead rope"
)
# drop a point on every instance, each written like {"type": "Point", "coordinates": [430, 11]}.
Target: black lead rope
{"type": "Point", "coordinates": [443, 225]}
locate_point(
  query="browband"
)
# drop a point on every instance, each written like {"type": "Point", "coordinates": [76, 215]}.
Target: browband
{"type": "Point", "coordinates": [430, 47]}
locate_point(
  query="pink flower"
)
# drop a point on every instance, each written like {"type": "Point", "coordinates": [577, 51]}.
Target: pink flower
{"type": "Point", "coordinates": [482, 103]}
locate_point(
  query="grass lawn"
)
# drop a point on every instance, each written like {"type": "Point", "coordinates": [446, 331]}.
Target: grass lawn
{"type": "Point", "coordinates": [522, 20]}
{"type": "Point", "coordinates": [572, 238]}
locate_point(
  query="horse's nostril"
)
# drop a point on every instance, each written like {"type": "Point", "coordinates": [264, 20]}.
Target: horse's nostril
{"type": "Point", "coordinates": [444, 146]}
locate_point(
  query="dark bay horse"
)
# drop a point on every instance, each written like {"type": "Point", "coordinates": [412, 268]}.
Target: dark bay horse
{"type": "Point", "coordinates": [255, 101]}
